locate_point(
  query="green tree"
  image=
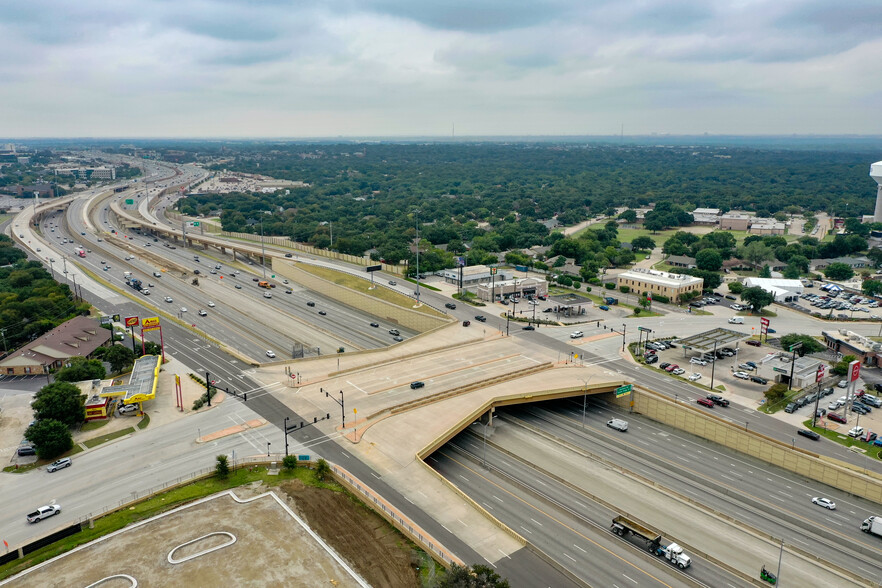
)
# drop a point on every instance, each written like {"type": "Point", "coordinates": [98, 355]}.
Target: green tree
{"type": "Point", "coordinates": [776, 393]}
{"type": "Point", "coordinates": [766, 272]}
{"type": "Point", "coordinates": [81, 369]}
{"type": "Point", "coordinates": [50, 437]}
{"type": "Point", "coordinates": [841, 367]}
{"type": "Point", "coordinates": [643, 243]}
{"type": "Point", "coordinates": [709, 259]}
{"type": "Point", "coordinates": [322, 469]}
{"type": "Point", "coordinates": [756, 253]}
{"type": "Point", "coordinates": [871, 287]}
{"type": "Point", "coordinates": [629, 216]}
{"type": "Point", "coordinates": [736, 287]}
{"type": "Point", "coordinates": [222, 466]}
{"type": "Point", "coordinates": [289, 462]}
{"type": "Point", "coordinates": [119, 357]}
{"type": "Point", "coordinates": [60, 401]}
{"type": "Point", "coordinates": [757, 297]}
{"type": "Point", "coordinates": [809, 343]}
{"type": "Point", "coordinates": [791, 272]}
{"type": "Point", "coordinates": [875, 255]}
{"type": "Point", "coordinates": [838, 271]}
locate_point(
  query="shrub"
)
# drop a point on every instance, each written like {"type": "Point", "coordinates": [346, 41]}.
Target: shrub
{"type": "Point", "coordinates": [322, 469]}
{"type": "Point", "coordinates": [222, 468]}
{"type": "Point", "coordinates": [660, 298]}
{"type": "Point", "coordinates": [289, 462]}
{"type": "Point", "coordinates": [624, 289]}
{"type": "Point", "coordinates": [610, 286]}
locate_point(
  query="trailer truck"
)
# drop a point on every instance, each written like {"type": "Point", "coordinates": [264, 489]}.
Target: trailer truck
{"type": "Point", "coordinates": [872, 525]}
{"type": "Point", "coordinates": [134, 283]}
{"type": "Point", "coordinates": [627, 527]}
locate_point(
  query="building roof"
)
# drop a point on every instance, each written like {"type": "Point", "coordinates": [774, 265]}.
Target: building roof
{"type": "Point", "coordinates": [660, 278]}
{"type": "Point", "coordinates": [709, 211]}
{"type": "Point", "coordinates": [78, 337]}
{"type": "Point", "coordinates": [769, 283]}
{"type": "Point", "coordinates": [681, 259]}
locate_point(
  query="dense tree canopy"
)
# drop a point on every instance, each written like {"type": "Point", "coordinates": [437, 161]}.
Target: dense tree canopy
{"type": "Point", "coordinates": [60, 401]}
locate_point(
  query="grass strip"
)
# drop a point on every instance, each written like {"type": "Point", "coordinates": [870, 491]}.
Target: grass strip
{"type": "Point", "coordinates": [90, 443]}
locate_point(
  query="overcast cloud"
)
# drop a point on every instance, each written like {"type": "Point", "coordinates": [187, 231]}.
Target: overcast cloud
{"type": "Point", "coordinates": [276, 68]}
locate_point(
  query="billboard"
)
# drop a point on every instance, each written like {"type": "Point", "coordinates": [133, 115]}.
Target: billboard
{"type": "Point", "coordinates": [149, 322]}
{"type": "Point", "coordinates": [131, 321]}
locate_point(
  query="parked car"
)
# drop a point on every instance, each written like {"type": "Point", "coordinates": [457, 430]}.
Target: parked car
{"type": "Point", "coordinates": [604, 307]}
{"type": "Point", "coordinates": [652, 359]}
{"type": "Point", "coordinates": [671, 367]}
{"type": "Point", "coordinates": [836, 417]}
{"type": "Point", "coordinates": [741, 375]}
{"type": "Point", "coordinates": [759, 380]}
{"type": "Point", "coordinates": [481, 318]}
{"type": "Point", "coordinates": [842, 384]}
{"type": "Point", "coordinates": [824, 502]}
{"type": "Point", "coordinates": [754, 343]}
{"type": "Point", "coordinates": [678, 371]}
{"type": "Point", "coordinates": [127, 408]}
{"type": "Point", "coordinates": [26, 450]}
{"type": "Point", "coordinates": [466, 323]}
{"type": "Point", "coordinates": [807, 433]}
{"type": "Point", "coordinates": [694, 377]}
{"type": "Point", "coordinates": [705, 402]}
{"type": "Point", "coordinates": [746, 366]}
{"type": "Point", "coordinates": [59, 464]}
{"type": "Point", "coordinates": [664, 365]}
{"type": "Point", "coordinates": [698, 361]}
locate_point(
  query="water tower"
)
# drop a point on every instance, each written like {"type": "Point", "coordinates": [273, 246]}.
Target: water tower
{"type": "Point", "coordinates": [876, 174]}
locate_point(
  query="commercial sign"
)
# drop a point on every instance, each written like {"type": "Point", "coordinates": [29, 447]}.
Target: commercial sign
{"type": "Point", "coordinates": [492, 271]}
{"type": "Point", "coordinates": [106, 320]}
{"type": "Point", "coordinates": [146, 329]}
{"type": "Point", "coordinates": [373, 268]}
{"type": "Point", "coordinates": [854, 368]}
{"type": "Point", "coordinates": [131, 321]}
{"type": "Point", "coordinates": [623, 390]}
{"type": "Point", "coordinates": [764, 321]}
{"type": "Point", "coordinates": [149, 322]}
{"type": "Point", "coordinates": [822, 371]}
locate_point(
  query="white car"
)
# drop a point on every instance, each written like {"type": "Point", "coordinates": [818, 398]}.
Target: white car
{"type": "Point", "coordinates": [211, 304]}
{"type": "Point", "coordinates": [697, 361]}
{"type": "Point", "coordinates": [678, 371]}
{"type": "Point", "coordinates": [576, 334]}
{"type": "Point", "coordinates": [742, 375]}
{"type": "Point", "coordinates": [856, 432]}
{"type": "Point", "coordinates": [694, 376]}
{"type": "Point", "coordinates": [842, 384]}
{"type": "Point", "coordinates": [267, 295]}
{"type": "Point", "coordinates": [202, 312]}
{"type": "Point", "coordinates": [270, 353]}
{"type": "Point", "coordinates": [183, 309]}
{"type": "Point", "coordinates": [128, 408]}
{"type": "Point", "coordinates": [168, 299]}
{"type": "Point", "coordinates": [825, 502]}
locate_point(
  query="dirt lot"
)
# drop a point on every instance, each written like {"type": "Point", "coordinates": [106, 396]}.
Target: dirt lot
{"type": "Point", "coordinates": [376, 551]}
{"type": "Point", "coordinates": [271, 547]}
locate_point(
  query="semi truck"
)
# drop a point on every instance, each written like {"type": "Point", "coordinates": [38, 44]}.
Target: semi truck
{"type": "Point", "coordinates": [872, 525]}
{"type": "Point", "coordinates": [627, 527]}
{"type": "Point", "coordinates": [81, 252]}
{"type": "Point", "coordinates": [134, 283]}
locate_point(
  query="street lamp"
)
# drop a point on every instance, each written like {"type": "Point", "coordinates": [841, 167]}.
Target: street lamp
{"type": "Point", "coordinates": [416, 214]}
{"type": "Point", "coordinates": [268, 448]}
{"type": "Point", "coordinates": [585, 398]}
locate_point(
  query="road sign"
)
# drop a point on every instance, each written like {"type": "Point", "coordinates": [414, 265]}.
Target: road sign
{"type": "Point", "coordinates": [764, 321]}
{"type": "Point", "coordinates": [644, 329]}
{"type": "Point", "coordinates": [780, 370]}
{"type": "Point", "coordinates": [822, 370]}
{"type": "Point", "coordinates": [129, 201]}
{"type": "Point", "coordinates": [795, 346]}
{"type": "Point", "coordinates": [623, 390]}
{"type": "Point", "coordinates": [131, 321]}
{"type": "Point", "coordinates": [116, 318]}
{"type": "Point", "coordinates": [492, 271]}
{"type": "Point", "coordinates": [854, 368]}
{"type": "Point", "coordinates": [373, 268]}
{"type": "Point", "coordinates": [106, 320]}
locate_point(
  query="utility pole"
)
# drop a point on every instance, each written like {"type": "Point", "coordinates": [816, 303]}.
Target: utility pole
{"type": "Point", "coordinates": [208, 389]}
{"type": "Point", "coordinates": [417, 219]}
{"type": "Point", "coordinates": [713, 366]}
{"type": "Point", "coordinates": [793, 349]}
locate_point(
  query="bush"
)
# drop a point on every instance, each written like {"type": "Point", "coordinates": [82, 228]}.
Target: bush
{"type": "Point", "coordinates": [736, 287]}
{"type": "Point", "coordinates": [776, 392]}
{"type": "Point", "coordinates": [322, 469]}
{"type": "Point", "coordinates": [624, 289]}
{"type": "Point", "coordinates": [577, 284]}
{"type": "Point", "coordinates": [610, 286]}
{"type": "Point", "coordinates": [594, 281]}
{"type": "Point", "coordinates": [289, 462]}
{"type": "Point", "coordinates": [587, 288]}
{"type": "Point", "coordinates": [637, 310]}
{"type": "Point", "coordinates": [660, 298]}
{"type": "Point", "coordinates": [222, 469]}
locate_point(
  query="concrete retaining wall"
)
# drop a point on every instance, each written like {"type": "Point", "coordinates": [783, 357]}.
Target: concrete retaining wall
{"type": "Point", "coordinates": [406, 317]}
{"type": "Point", "coordinates": [740, 438]}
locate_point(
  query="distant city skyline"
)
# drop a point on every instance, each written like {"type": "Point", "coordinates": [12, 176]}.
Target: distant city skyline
{"type": "Point", "coordinates": [196, 68]}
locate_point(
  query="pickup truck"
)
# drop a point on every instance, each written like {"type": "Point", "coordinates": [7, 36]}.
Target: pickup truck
{"type": "Point", "coordinates": [43, 512]}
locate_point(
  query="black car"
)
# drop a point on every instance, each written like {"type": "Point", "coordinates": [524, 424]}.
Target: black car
{"type": "Point", "coordinates": [288, 255]}
{"type": "Point", "coordinates": [322, 312]}
{"type": "Point", "coordinates": [310, 303]}
{"type": "Point", "coordinates": [718, 400]}
{"type": "Point", "coordinates": [759, 380]}
{"type": "Point", "coordinates": [807, 433]}
{"type": "Point", "coordinates": [527, 328]}
{"type": "Point", "coordinates": [450, 305]}
{"type": "Point", "coordinates": [663, 365]}
{"type": "Point", "coordinates": [375, 325]}
{"type": "Point", "coordinates": [652, 359]}
{"type": "Point", "coordinates": [730, 297]}
{"type": "Point", "coordinates": [417, 384]}
{"type": "Point", "coordinates": [481, 318]}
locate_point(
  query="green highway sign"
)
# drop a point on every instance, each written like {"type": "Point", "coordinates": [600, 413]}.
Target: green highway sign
{"type": "Point", "coordinates": [623, 390]}
{"type": "Point", "coordinates": [795, 346]}
{"type": "Point", "coordinates": [129, 201]}
{"type": "Point", "coordinates": [644, 329]}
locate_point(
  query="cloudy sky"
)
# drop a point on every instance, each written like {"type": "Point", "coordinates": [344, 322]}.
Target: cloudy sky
{"type": "Point", "coordinates": [280, 68]}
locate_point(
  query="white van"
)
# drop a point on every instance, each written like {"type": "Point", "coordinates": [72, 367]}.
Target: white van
{"type": "Point", "coordinates": [736, 320]}
{"type": "Point", "coordinates": [618, 424]}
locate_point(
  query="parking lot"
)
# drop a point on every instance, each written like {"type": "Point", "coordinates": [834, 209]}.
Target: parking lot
{"type": "Point", "coordinates": [841, 306]}
{"type": "Point", "coordinates": [739, 368]}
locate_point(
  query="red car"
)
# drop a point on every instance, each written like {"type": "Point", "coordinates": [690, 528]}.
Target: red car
{"type": "Point", "coordinates": [705, 402]}
{"type": "Point", "coordinates": [671, 367]}
{"type": "Point", "coordinates": [835, 417]}
{"type": "Point", "coordinates": [754, 343]}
